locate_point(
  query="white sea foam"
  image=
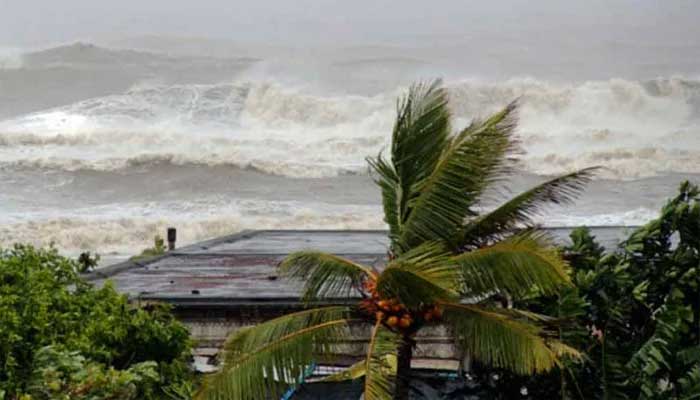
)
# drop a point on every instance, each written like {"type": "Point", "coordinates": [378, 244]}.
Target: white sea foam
{"type": "Point", "coordinates": [632, 128]}
{"type": "Point", "coordinates": [124, 228]}
{"type": "Point", "coordinates": [638, 216]}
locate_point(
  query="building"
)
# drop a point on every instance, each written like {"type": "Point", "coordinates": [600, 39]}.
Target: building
{"type": "Point", "coordinates": [221, 285]}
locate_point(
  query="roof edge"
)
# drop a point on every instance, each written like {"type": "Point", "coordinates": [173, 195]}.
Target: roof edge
{"type": "Point", "coordinates": [111, 270]}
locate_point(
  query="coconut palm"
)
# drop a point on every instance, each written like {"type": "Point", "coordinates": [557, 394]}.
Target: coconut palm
{"type": "Point", "coordinates": [446, 263]}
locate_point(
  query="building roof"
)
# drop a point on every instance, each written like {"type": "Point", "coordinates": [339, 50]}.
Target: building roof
{"type": "Point", "coordinates": [241, 268]}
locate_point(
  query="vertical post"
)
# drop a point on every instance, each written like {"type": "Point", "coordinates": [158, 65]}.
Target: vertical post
{"type": "Point", "coordinates": [172, 238]}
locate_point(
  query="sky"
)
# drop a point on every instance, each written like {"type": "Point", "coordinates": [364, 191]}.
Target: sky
{"type": "Point", "coordinates": [307, 22]}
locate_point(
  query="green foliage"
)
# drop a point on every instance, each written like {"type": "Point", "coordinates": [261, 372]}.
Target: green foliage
{"type": "Point", "coordinates": [498, 339]}
{"type": "Point", "coordinates": [44, 302]}
{"type": "Point", "coordinates": [61, 375]}
{"type": "Point", "coordinates": [158, 249]}
{"type": "Point", "coordinates": [88, 262]}
{"type": "Point", "coordinates": [270, 357]}
{"type": "Point", "coordinates": [419, 137]}
{"type": "Point", "coordinates": [515, 266]}
{"type": "Point", "coordinates": [380, 374]}
{"type": "Point", "coordinates": [635, 312]}
{"type": "Point", "coordinates": [469, 162]}
{"type": "Point", "coordinates": [324, 275]}
{"type": "Point", "coordinates": [184, 390]}
{"type": "Point", "coordinates": [520, 210]}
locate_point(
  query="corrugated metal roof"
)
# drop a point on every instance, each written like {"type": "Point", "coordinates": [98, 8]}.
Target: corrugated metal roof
{"type": "Point", "coordinates": [241, 268]}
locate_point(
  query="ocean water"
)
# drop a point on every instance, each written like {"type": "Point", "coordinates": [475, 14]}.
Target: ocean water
{"type": "Point", "coordinates": [102, 148]}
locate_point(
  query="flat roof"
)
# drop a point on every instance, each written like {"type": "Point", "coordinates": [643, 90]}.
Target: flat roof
{"type": "Point", "coordinates": [242, 268]}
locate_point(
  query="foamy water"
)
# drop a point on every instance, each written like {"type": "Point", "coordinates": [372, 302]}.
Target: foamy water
{"type": "Point", "coordinates": [108, 172]}
{"type": "Point", "coordinates": [634, 129]}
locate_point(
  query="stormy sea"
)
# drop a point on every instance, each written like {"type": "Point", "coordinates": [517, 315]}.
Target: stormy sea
{"type": "Point", "coordinates": [104, 145]}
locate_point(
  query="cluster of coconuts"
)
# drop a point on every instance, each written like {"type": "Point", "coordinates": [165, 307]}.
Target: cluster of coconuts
{"type": "Point", "coordinates": [394, 314]}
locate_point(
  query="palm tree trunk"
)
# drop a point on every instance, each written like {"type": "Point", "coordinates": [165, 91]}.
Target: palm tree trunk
{"type": "Point", "coordinates": [403, 369]}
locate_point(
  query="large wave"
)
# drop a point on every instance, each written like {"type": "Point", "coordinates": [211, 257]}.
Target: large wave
{"type": "Point", "coordinates": [633, 128]}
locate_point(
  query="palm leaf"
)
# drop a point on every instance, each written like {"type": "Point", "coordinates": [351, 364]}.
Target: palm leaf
{"type": "Point", "coordinates": [268, 358]}
{"type": "Point", "coordinates": [380, 374]}
{"type": "Point", "coordinates": [420, 276]}
{"type": "Point", "coordinates": [472, 160]}
{"type": "Point", "coordinates": [425, 255]}
{"type": "Point", "coordinates": [521, 209]}
{"type": "Point", "coordinates": [514, 266]}
{"type": "Point", "coordinates": [323, 274]}
{"type": "Point", "coordinates": [392, 195]}
{"type": "Point", "coordinates": [419, 136]}
{"type": "Point", "coordinates": [355, 371]}
{"type": "Point", "coordinates": [359, 370]}
{"type": "Point", "coordinates": [497, 339]}
{"type": "Point", "coordinates": [690, 384]}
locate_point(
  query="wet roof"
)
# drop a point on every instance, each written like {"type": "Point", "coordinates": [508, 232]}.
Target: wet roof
{"type": "Point", "coordinates": [238, 268]}
{"type": "Point", "coordinates": [241, 268]}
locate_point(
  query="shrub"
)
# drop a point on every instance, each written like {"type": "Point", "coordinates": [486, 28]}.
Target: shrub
{"type": "Point", "coordinates": [44, 302]}
{"type": "Point", "coordinates": [634, 311]}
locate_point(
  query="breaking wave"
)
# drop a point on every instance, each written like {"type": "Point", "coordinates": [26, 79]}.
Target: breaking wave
{"type": "Point", "coordinates": [633, 128]}
{"type": "Point", "coordinates": [122, 229]}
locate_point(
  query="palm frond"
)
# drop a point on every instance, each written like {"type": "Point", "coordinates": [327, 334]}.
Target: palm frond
{"type": "Point", "coordinates": [270, 357]}
{"type": "Point", "coordinates": [353, 372]}
{"type": "Point", "coordinates": [521, 209]}
{"type": "Point", "coordinates": [426, 254]}
{"type": "Point", "coordinates": [472, 160]}
{"type": "Point", "coordinates": [392, 196]}
{"type": "Point", "coordinates": [380, 374]}
{"type": "Point", "coordinates": [323, 274]}
{"type": "Point", "coordinates": [514, 266]}
{"type": "Point", "coordinates": [420, 277]}
{"type": "Point", "coordinates": [419, 136]}
{"type": "Point", "coordinates": [359, 370]}
{"type": "Point", "coordinates": [499, 340]}
{"type": "Point", "coordinates": [690, 384]}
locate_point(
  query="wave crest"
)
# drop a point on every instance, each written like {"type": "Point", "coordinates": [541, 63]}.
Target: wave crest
{"type": "Point", "coordinates": [291, 131]}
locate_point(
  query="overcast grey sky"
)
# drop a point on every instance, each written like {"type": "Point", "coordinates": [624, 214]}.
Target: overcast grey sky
{"type": "Point", "coordinates": [37, 22]}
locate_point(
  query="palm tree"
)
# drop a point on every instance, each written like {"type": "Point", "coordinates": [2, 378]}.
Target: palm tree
{"type": "Point", "coordinates": [446, 263]}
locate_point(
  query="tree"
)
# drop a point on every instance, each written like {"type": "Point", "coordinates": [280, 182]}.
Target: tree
{"type": "Point", "coordinates": [61, 375]}
{"type": "Point", "coordinates": [45, 304]}
{"type": "Point", "coordinates": [635, 311]}
{"type": "Point", "coordinates": [446, 264]}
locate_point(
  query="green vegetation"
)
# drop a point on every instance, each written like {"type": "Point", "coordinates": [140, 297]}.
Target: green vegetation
{"type": "Point", "coordinates": [158, 249]}
{"type": "Point", "coordinates": [62, 375]}
{"type": "Point", "coordinates": [442, 252]}
{"type": "Point", "coordinates": [635, 312]}
{"type": "Point", "coordinates": [87, 262]}
{"type": "Point", "coordinates": [59, 335]}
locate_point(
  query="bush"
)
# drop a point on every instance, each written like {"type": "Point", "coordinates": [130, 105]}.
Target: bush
{"type": "Point", "coordinates": [65, 375]}
{"type": "Point", "coordinates": [44, 302]}
{"type": "Point", "coordinates": [635, 312]}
